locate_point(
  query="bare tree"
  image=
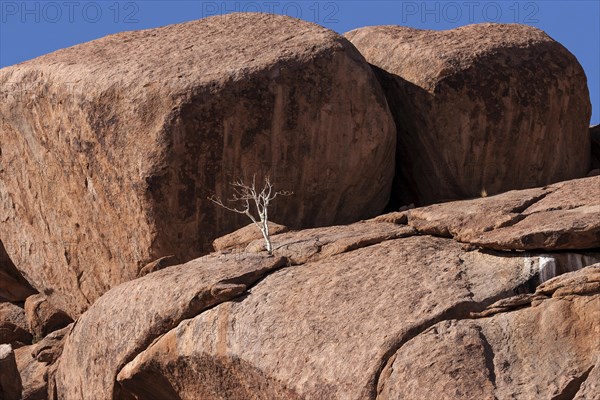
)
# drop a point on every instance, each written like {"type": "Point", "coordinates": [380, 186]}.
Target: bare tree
{"type": "Point", "coordinates": [248, 196]}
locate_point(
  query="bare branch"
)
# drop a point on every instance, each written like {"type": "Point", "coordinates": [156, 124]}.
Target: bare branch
{"type": "Point", "coordinates": [261, 200]}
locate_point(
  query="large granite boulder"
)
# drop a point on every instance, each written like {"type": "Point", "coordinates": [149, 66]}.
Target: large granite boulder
{"type": "Point", "coordinates": [482, 108]}
{"type": "Point", "coordinates": [110, 149]}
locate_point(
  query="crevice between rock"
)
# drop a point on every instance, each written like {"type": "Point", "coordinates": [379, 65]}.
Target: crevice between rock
{"type": "Point", "coordinates": [458, 311]}
{"type": "Point", "coordinates": [471, 310]}
{"type": "Point", "coordinates": [532, 201]}
{"type": "Point", "coordinates": [570, 391]}
{"type": "Point", "coordinates": [489, 356]}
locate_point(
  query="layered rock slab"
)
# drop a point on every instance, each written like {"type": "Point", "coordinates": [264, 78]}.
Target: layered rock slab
{"type": "Point", "coordinates": [480, 108]}
{"type": "Point", "coordinates": [545, 349]}
{"type": "Point", "coordinates": [110, 149]}
{"type": "Point", "coordinates": [134, 313]}
{"type": "Point", "coordinates": [562, 216]}
{"type": "Point", "coordinates": [309, 245]}
{"type": "Point", "coordinates": [240, 238]}
{"type": "Point", "coordinates": [324, 329]}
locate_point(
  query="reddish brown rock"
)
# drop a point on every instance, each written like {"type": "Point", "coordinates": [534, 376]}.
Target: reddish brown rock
{"type": "Point", "coordinates": [109, 156]}
{"type": "Point", "coordinates": [307, 245]}
{"type": "Point", "coordinates": [157, 265]}
{"type": "Point", "coordinates": [130, 316]}
{"type": "Point", "coordinates": [323, 330]}
{"type": "Point", "coordinates": [568, 217]}
{"type": "Point", "coordinates": [466, 219]}
{"type": "Point", "coordinates": [590, 387]}
{"type": "Point", "coordinates": [10, 380]}
{"type": "Point", "coordinates": [13, 325]}
{"type": "Point", "coordinates": [562, 216]}
{"type": "Point", "coordinates": [240, 238]}
{"type": "Point", "coordinates": [545, 350]}
{"type": "Point", "coordinates": [481, 108]}
{"type": "Point", "coordinates": [13, 287]}
{"type": "Point", "coordinates": [37, 365]}
{"type": "Point", "coordinates": [42, 317]}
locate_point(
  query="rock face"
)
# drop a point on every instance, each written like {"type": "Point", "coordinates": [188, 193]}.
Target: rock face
{"type": "Point", "coordinates": [492, 358]}
{"type": "Point", "coordinates": [485, 107]}
{"type": "Point", "coordinates": [111, 148]}
{"type": "Point", "coordinates": [42, 318]}
{"type": "Point", "coordinates": [325, 329]}
{"type": "Point", "coordinates": [133, 314]}
{"type": "Point", "coordinates": [562, 216]}
{"type": "Point", "coordinates": [13, 287]}
{"type": "Point", "coordinates": [13, 325]}
{"type": "Point", "coordinates": [329, 314]}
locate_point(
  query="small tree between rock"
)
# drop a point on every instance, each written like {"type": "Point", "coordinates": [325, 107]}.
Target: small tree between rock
{"type": "Point", "coordinates": [245, 194]}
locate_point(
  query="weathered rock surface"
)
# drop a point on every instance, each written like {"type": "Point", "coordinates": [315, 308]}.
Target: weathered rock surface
{"type": "Point", "coordinates": [13, 325]}
{"type": "Point", "coordinates": [590, 388]}
{"type": "Point", "coordinates": [133, 314]}
{"type": "Point", "coordinates": [37, 365]}
{"type": "Point", "coordinates": [240, 238]}
{"type": "Point", "coordinates": [111, 148]}
{"type": "Point", "coordinates": [325, 325]}
{"type": "Point", "coordinates": [486, 107]}
{"type": "Point", "coordinates": [13, 287]}
{"type": "Point", "coordinates": [10, 381]}
{"type": "Point", "coordinates": [562, 216]}
{"type": "Point", "coordinates": [300, 247]}
{"type": "Point", "coordinates": [543, 350]}
{"type": "Point", "coordinates": [42, 317]}
{"type": "Point", "coordinates": [325, 329]}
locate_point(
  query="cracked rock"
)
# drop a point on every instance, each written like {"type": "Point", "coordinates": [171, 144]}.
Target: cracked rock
{"type": "Point", "coordinates": [131, 315]}
{"type": "Point", "coordinates": [541, 350]}
{"type": "Point", "coordinates": [563, 216]}
{"type": "Point", "coordinates": [314, 244]}
{"type": "Point", "coordinates": [324, 329]}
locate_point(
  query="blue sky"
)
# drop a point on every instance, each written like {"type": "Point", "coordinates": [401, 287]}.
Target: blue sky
{"type": "Point", "coordinates": [32, 28]}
